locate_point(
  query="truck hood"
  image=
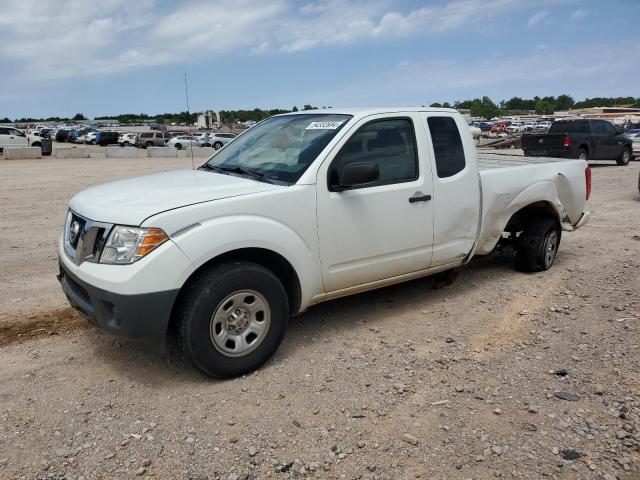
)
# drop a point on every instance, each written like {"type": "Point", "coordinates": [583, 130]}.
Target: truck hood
{"type": "Point", "coordinates": [131, 201]}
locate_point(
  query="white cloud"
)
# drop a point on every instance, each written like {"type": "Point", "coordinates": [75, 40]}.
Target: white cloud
{"type": "Point", "coordinates": [537, 17]}
{"type": "Point", "coordinates": [42, 39]}
{"type": "Point", "coordinates": [502, 76]}
{"type": "Point", "coordinates": [578, 15]}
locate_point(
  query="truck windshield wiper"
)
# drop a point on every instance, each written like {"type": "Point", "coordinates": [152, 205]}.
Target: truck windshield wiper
{"type": "Point", "coordinates": [236, 169]}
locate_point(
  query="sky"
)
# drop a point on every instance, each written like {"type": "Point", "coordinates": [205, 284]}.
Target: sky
{"type": "Point", "coordinates": [123, 56]}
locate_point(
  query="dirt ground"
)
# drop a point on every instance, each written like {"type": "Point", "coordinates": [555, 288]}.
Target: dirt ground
{"type": "Point", "coordinates": [499, 375]}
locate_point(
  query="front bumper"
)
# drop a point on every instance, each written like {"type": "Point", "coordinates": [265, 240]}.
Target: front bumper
{"type": "Point", "coordinates": [141, 316]}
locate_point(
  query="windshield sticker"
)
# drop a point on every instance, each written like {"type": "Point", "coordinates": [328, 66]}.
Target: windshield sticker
{"type": "Point", "coordinates": [328, 125]}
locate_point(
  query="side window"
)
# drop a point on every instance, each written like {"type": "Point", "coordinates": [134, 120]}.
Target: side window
{"type": "Point", "coordinates": [611, 129]}
{"type": "Point", "coordinates": [4, 131]}
{"type": "Point", "coordinates": [447, 146]}
{"type": "Point", "coordinates": [388, 143]}
{"type": "Point", "coordinates": [599, 127]}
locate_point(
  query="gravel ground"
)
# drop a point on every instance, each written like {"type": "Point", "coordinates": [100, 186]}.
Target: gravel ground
{"type": "Point", "coordinates": [501, 374]}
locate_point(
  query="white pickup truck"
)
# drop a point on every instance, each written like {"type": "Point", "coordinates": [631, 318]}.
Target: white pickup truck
{"type": "Point", "coordinates": [303, 208]}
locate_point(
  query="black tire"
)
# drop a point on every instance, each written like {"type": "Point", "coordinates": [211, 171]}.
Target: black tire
{"type": "Point", "coordinates": [36, 144]}
{"type": "Point", "coordinates": [527, 153]}
{"type": "Point", "coordinates": [534, 252]}
{"type": "Point", "coordinates": [582, 154]}
{"type": "Point", "coordinates": [217, 145]}
{"type": "Point", "coordinates": [625, 157]}
{"type": "Point", "coordinates": [179, 146]}
{"type": "Point", "coordinates": [204, 296]}
{"type": "Point", "coordinates": [206, 145]}
{"type": "Point", "coordinates": [148, 144]}
{"type": "Point", "coordinates": [125, 144]}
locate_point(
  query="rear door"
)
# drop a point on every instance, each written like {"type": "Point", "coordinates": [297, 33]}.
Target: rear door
{"type": "Point", "coordinates": [603, 142]}
{"type": "Point", "coordinates": [384, 229]}
{"type": "Point", "coordinates": [456, 188]}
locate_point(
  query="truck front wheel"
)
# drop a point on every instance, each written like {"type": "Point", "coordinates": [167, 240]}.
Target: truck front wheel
{"type": "Point", "coordinates": [538, 245]}
{"type": "Point", "coordinates": [625, 157]}
{"type": "Point", "coordinates": [232, 318]}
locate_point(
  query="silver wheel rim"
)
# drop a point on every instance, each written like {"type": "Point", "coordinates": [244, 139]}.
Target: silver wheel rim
{"type": "Point", "coordinates": [582, 156]}
{"type": "Point", "coordinates": [550, 249]}
{"type": "Point", "coordinates": [625, 156]}
{"type": "Point", "coordinates": [240, 323]}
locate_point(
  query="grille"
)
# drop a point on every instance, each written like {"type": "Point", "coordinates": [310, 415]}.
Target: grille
{"type": "Point", "coordinates": [84, 238]}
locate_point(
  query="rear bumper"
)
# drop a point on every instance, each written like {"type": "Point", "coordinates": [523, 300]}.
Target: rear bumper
{"type": "Point", "coordinates": [141, 316]}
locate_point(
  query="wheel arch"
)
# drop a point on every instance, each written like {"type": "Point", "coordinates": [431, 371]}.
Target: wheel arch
{"type": "Point", "coordinates": [269, 259]}
{"type": "Point", "coordinates": [532, 211]}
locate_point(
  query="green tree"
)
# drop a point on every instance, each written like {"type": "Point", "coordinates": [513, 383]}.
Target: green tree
{"type": "Point", "coordinates": [5, 120]}
{"type": "Point", "coordinates": [436, 105]}
{"type": "Point", "coordinates": [564, 102]}
{"type": "Point", "coordinates": [79, 116]}
{"type": "Point", "coordinates": [484, 108]}
{"type": "Point", "coordinates": [446, 105]}
{"type": "Point", "coordinates": [294, 109]}
{"type": "Point", "coordinates": [544, 107]}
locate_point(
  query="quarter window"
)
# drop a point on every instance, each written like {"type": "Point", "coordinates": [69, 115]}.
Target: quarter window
{"type": "Point", "coordinates": [447, 146]}
{"type": "Point", "coordinates": [388, 143]}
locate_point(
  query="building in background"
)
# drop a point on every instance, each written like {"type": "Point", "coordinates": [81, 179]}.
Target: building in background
{"type": "Point", "coordinates": [208, 120]}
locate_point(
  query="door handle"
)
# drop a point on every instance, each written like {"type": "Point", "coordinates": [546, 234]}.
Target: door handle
{"type": "Point", "coordinates": [418, 197]}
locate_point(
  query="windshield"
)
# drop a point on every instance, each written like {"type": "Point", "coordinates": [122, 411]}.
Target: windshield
{"type": "Point", "coordinates": [280, 148]}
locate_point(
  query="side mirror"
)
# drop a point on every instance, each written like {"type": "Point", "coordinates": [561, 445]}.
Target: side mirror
{"type": "Point", "coordinates": [357, 174]}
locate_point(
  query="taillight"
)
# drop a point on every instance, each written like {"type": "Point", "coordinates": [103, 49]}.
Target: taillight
{"type": "Point", "coordinates": [587, 180]}
{"type": "Point", "coordinates": [566, 141]}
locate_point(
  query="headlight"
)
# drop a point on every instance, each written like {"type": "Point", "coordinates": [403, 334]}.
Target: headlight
{"type": "Point", "coordinates": [128, 244]}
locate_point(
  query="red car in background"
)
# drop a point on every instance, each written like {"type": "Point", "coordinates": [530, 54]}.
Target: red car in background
{"type": "Point", "coordinates": [500, 126]}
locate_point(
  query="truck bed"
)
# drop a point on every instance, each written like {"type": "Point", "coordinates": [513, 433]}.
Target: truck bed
{"type": "Point", "coordinates": [489, 161]}
{"type": "Point", "coordinates": [510, 182]}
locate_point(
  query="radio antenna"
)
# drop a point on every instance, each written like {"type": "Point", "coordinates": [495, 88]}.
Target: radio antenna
{"type": "Point", "coordinates": [186, 94]}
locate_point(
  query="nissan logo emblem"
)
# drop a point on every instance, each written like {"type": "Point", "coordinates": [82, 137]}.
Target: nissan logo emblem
{"type": "Point", "coordinates": [74, 231]}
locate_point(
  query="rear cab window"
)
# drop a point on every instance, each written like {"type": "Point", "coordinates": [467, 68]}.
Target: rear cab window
{"type": "Point", "coordinates": [447, 146]}
{"type": "Point", "coordinates": [570, 126]}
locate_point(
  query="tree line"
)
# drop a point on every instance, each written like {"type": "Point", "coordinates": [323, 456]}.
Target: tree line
{"type": "Point", "coordinates": [483, 107]}
{"type": "Point", "coordinates": [486, 108]}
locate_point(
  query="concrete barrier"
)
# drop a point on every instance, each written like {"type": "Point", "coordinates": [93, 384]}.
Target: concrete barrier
{"type": "Point", "coordinates": [20, 153]}
{"type": "Point", "coordinates": [123, 152]}
{"type": "Point", "coordinates": [73, 152]}
{"type": "Point", "coordinates": [162, 152]}
{"type": "Point", "coordinates": [200, 152]}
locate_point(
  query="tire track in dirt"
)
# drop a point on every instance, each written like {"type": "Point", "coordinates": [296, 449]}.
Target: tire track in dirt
{"type": "Point", "coordinates": [20, 328]}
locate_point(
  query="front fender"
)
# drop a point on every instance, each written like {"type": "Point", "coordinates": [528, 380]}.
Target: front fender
{"type": "Point", "coordinates": [221, 235]}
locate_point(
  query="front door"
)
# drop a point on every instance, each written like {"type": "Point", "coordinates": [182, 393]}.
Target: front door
{"type": "Point", "coordinates": [385, 228]}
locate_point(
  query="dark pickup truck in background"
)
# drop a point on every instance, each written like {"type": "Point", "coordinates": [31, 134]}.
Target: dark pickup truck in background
{"type": "Point", "coordinates": [583, 139]}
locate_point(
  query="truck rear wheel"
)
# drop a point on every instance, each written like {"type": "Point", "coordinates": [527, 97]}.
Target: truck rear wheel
{"type": "Point", "coordinates": [582, 154]}
{"type": "Point", "coordinates": [232, 318]}
{"type": "Point", "coordinates": [538, 245]}
{"type": "Point", "coordinates": [625, 157]}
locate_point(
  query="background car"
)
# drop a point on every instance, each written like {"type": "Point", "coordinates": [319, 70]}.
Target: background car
{"type": "Point", "coordinates": [500, 126]}
{"type": "Point", "coordinates": [12, 137]}
{"type": "Point", "coordinates": [89, 138]}
{"type": "Point", "coordinates": [61, 134]}
{"type": "Point", "coordinates": [542, 125]}
{"type": "Point", "coordinates": [183, 141]}
{"type": "Point", "coordinates": [483, 126]}
{"type": "Point", "coordinates": [219, 140]}
{"type": "Point", "coordinates": [106, 138]}
{"type": "Point", "coordinates": [151, 139]}
{"type": "Point", "coordinates": [127, 139]}
{"type": "Point", "coordinates": [515, 127]}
